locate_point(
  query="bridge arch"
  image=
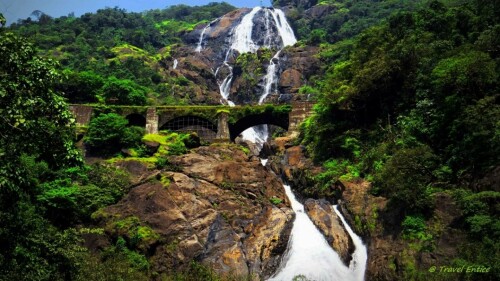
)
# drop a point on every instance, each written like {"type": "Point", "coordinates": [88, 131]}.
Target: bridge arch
{"type": "Point", "coordinates": [249, 121]}
{"type": "Point", "coordinates": [205, 129]}
{"type": "Point", "coordinates": [136, 119]}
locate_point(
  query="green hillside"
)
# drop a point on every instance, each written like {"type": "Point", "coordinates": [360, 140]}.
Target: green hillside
{"type": "Point", "coordinates": [407, 100]}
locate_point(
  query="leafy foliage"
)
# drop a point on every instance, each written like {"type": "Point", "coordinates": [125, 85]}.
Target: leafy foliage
{"type": "Point", "coordinates": [339, 19]}
{"type": "Point", "coordinates": [123, 92]}
{"type": "Point", "coordinates": [109, 133]}
{"type": "Point", "coordinates": [35, 140]}
{"type": "Point", "coordinates": [406, 84]}
{"type": "Point", "coordinates": [413, 104]}
{"type": "Point", "coordinates": [81, 87]}
{"type": "Point", "coordinates": [115, 43]}
{"type": "Point", "coordinates": [78, 192]}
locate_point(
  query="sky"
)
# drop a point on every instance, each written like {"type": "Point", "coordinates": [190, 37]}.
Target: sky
{"type": "Point", "coordinates": [21, 9]}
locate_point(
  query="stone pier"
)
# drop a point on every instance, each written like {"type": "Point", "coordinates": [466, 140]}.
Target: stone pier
{"type": "Point", "coordinates": [151, 121]}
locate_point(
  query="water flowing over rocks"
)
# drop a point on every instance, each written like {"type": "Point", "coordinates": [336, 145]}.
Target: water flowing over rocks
{"type": "Point", "coordinates": [214, 208]}
{"type": "Point", "coordinates": [380, 229]}
{"type": "Point", "coordinates": [326, 220]}
{"type": "Point", "coordinates": [210, 52]}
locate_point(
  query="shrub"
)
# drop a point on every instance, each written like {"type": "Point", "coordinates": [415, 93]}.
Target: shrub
{"type": "Point", "coordinates": [80, 191]}
{"type": "Point", "coordinates": [413, 227]}
{"type": "Point", "coordinates": [124, 92]}
{"type": "Point", "coordinates": [108, 134]}
{"type": "Point", "coordinates": [275, 200]}
{"type": "Point", "coordinates": [405, 179]}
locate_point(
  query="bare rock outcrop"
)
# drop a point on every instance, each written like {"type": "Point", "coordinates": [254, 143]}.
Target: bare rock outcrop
{"type": "Point", "coordinates": [327, 221]}
{"type": "Point", "coordinates": [388, 252]}
{"type": "Point", "coordinates": [215, 208]}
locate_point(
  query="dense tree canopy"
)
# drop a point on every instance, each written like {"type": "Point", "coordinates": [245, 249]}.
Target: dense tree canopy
{"type": "Point", "coordinates": [115, 43]}
{"type": "Point", "coordinates": [407, 99]}
{"type": "Point", "coordinates": [412, 105]}
{"type": "Point", "coordinates": [36, 136]}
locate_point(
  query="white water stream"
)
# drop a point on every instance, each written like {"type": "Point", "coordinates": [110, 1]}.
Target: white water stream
{"type": "Point", "coordinates": [242, 42]}
{"type": "Point", "coordinates": [199, 47]}
{"type": "Point", "coordinates": [309, 255]}
{"type": "Point", "coordinates": [360, 255]}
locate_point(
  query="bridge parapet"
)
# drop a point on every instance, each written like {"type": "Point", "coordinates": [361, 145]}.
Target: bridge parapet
{"type": "Point", "coordinates": [300, 111]}
{"type": "Point", "coordinates": [221, 122]}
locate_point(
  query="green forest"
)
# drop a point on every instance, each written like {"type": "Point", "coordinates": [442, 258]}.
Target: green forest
{"type": "Point", "coordinates": [412, 105]}
{"type": "Point", "coordinates": [407, 99]}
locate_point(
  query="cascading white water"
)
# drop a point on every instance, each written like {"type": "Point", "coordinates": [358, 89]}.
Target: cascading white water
{"type": "Point", "coordinates": [242, 34]}
{"type": "Point", "coordinates": [242, 42]}
{"type": "Point", "coordinates": [199, 47]}
{"type": "Point", "coordinates": [270, 78]}
{"type": "Point", "coordinates": [288, 39]}
{"type": "Point", "coordinates": [257, 134]}
{"type": "Point", "coordinates": [284, 29]}
{"type": "Point", "coordinates": [200, 42]}
{"type": "Point", "coordinates": [225, 86]}
{"type": "Point", "coordinates": [310, 256]}
{"type": "Point", "coordinates": [176, 62]}
{"type": "Point", "coordinates": [360, 255]}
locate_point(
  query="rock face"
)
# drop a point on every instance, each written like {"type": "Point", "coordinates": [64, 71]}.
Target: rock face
{"type": "Point", "coordinates": [326, 220]}
{"type": "Point", "coordinates": [298, 63]}
{"type": "Point", "coordinates": [388, 253]}
{"type": "Point", "coordinates": [296, 168]}
{"type": "Point", "coordinates": [215, 208]}
{"type": "Point", "coordinates": [200, 69]}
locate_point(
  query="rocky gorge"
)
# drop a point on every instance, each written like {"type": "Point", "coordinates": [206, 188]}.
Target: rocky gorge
{"type": "Point", "coordinates": [222, 208]}
{"type": "Point", "coordinates": [219, 206]}
{"type": "Point", "coordinates": [383, 166]}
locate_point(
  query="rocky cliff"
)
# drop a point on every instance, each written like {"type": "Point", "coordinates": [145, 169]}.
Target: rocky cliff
{"type": "Point", "coordinates": [392, 255]}
{"type": "Point", "coordinates": [217, 206]}
{"type": "Point", "coordinates": [200, 63]}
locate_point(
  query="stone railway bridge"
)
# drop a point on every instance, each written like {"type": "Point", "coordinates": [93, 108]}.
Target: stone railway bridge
{"type": "Point", "coordinates": [211, 123]}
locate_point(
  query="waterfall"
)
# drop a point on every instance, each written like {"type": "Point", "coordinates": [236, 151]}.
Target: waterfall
{"type": "Point", "coordinates": [199, 47]}
{"type": "Point", "coordinates": [200, 42]}
{"type": "Point", "coordinates": [288, 38]}
{"type": "Point", "coordinates": [360, 255]}
{"type": "Point", "coordinates": [242, 35]}
{"type": "Point", "coordinates": [242, 42]}
{"type": "Point", "coordinates": [225, 86]}
{"type": "Point", "coordinates": [284, 29]}
{"type": "Point", "coordinates": [270, 78]}
{"type": "Point", "coordinates": [309, 255]}
{"type": "Point", "coordinates": [176, 62]}
{"type": "Point", "coordinates": [257, 135]}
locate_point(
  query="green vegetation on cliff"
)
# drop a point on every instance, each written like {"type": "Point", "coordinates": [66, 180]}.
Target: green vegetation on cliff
{"type": "Point", "coordinates": [412, 105]}
{"type": "Point", "coordinates": [47, 195]}
{"type": "Point", "coordinates": [114, 56]}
